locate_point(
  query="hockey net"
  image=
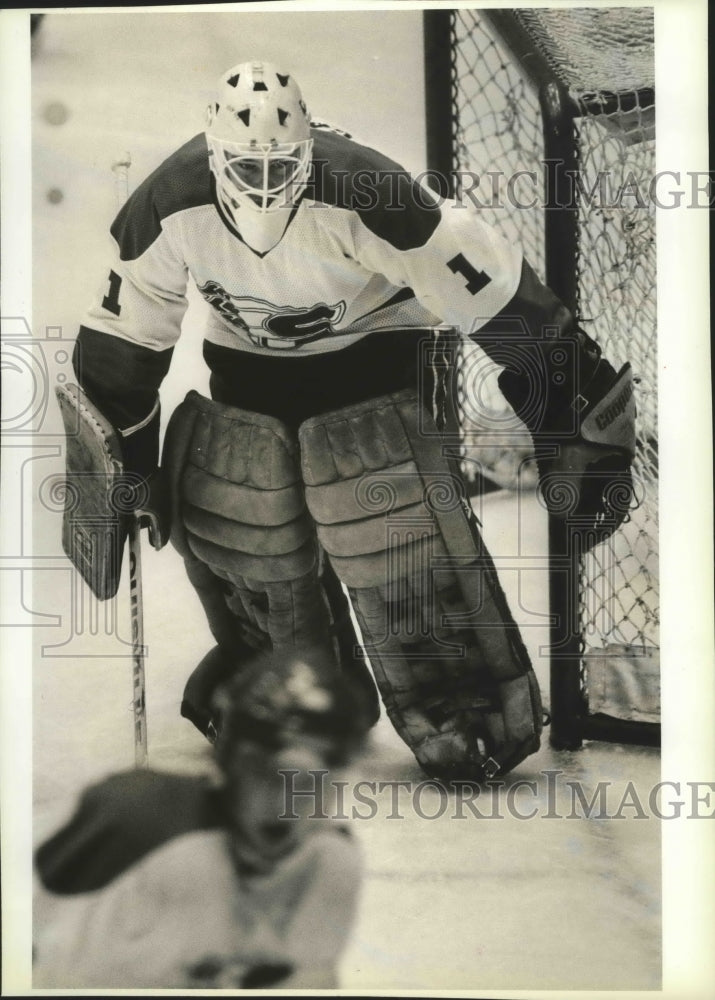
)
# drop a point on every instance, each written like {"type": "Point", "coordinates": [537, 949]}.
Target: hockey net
{"type": "Point", "coordinates": [605, 59]}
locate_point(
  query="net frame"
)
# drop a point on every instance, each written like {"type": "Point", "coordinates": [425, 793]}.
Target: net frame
{"type": "Point", "coordinates": [524, 87]}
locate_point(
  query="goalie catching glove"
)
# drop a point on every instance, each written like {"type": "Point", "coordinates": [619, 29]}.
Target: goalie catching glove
{"type": "Point", "coordinates": [102, 493]}
{"type": "Point", "coordinates": [585, 448]}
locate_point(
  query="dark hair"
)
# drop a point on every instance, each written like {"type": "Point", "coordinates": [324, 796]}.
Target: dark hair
{"type": "Point", "coordinates": [280, 695]}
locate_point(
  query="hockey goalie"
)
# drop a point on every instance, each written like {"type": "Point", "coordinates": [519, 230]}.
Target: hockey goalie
{"type": "Point", "coordinates": [313, 483]}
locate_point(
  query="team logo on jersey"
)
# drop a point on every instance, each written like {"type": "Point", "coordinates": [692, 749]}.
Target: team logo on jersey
{"type": "Point", "coordinates": [270, 325]}
{"type": "Point", "coordinates": [223, 303]}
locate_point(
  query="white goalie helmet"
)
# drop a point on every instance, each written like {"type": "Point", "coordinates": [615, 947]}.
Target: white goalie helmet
{"type": "Point", "coordinates": [258, 134]}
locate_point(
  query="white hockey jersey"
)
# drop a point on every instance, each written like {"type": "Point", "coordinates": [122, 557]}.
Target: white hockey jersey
{"type": "Point", "coordinates": [366, 249]}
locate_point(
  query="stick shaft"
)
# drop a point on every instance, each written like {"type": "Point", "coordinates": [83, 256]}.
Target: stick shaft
{"type": "Point", "coordinates": [136, 604]}
{"type": "Point", "coordinates": [120, 168]}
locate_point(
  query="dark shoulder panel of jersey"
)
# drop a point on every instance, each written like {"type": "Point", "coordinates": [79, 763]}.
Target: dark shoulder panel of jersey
{"type": "Point", "coordinates": [390, 203]}
{"type": "Point", "coordinates": [182, 181]}
{"type": "Point", "coordinates": [118, 822]}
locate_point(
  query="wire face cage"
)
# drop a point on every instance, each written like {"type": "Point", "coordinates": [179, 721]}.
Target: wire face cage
{"type": "Point", "coordinates": [510, 93]}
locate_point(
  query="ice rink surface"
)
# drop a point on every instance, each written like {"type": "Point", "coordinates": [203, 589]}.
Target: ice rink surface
{"type": "Point", "coordinates": [471, 902]}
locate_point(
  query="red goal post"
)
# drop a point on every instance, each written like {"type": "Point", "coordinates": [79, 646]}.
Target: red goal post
{"type": "Point", "coordinates": [564, 99]}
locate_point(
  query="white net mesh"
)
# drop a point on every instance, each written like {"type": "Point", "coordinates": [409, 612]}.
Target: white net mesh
{"type": "Point", "coordinates": [617, 287]}
{"type": "Point", "coordinates": [605, 58]}
{"type": "Point", "coordinates": [498, 137]}
{"type": "Point", "coordinates": [592, 49]}
{"type": "Point", "coordinates": [498, 131]}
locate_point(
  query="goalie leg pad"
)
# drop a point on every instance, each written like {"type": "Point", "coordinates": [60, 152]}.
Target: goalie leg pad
{"type": "Point", "coordinates": [239, 512]}
{"type": "Point", "coordinates": [240, 636]}
{"type": "Point", "coordinates": [448, 659]}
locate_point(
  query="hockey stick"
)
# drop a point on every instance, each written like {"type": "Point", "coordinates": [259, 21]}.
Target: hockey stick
{"type": "Point", "coordinates": [136, 605]}
{"type": "Point", "coordinates": [136, 602]}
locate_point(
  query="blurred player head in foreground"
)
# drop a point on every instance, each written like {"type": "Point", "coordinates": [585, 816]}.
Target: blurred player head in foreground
{"type": "Point", "coordinates": [258, 134]}
{"type": "Point", "coordinates": [283, 716]}
{"type": "Point", "coordinates": [171, 881]}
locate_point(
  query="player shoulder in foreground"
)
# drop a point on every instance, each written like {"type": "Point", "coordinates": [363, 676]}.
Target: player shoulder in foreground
{"type": "Point", "coordinates": [118, 821]}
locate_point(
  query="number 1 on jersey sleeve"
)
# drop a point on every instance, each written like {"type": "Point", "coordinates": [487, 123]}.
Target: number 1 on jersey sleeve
{"type": "Point", "coordinates": [110, 302]}
{"type": "Point", "coordinates": [476, 280]}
